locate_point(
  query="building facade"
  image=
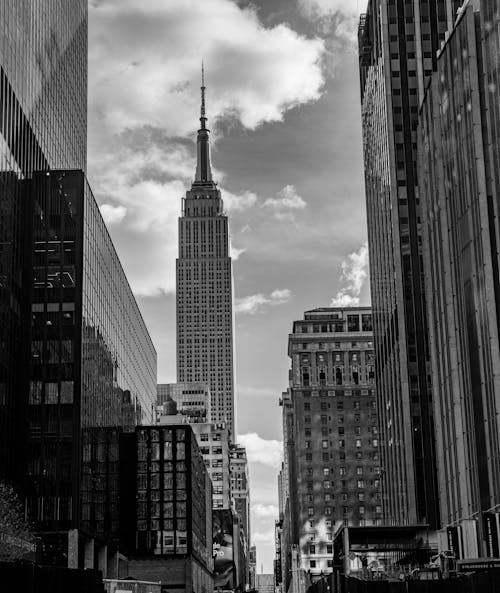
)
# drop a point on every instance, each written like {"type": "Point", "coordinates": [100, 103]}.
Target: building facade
{"type": "Point", "coordinates": [459, 141]}
{"type": "Point", "coordinates": [192, 399]}
{"type": "Point", "coordinates": [240, 487]}
{"type": "Point", "coordinates": [333, 431]}
{"type": "Point", "coordinates": [90, 362]}
{"type": "Point", "coordinates": [398, 42]}
{"type": "Point", "coordinates": [43, 124]}
{"type": "Point", "coordinates": [204, 288]}
{"type": "Point", "coordinates": [166, 508]}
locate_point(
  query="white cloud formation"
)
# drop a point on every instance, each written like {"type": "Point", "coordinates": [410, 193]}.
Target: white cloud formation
{"type": "Point", "coordinates": [354, 274]}
{"type": "Point", "coordinates": [324, 8]}
{"type": "Point", "coordinates": [112, 214]}
{"type": "Point", "coordinates": [263, 537]}
{"type": "Point", "coordinates": [259, 450]}
{"type": "Point", "coordinates": [265, 510]}
{"type": "Point", "coordinates": [287, 198]}
{"type": "Point", "coordinates": [243, 201]}
{"type": "Point", "coordinates": [153, 55]}
{"type": "Point", "coordinates": [144, 71]}
{"type": "Point", "coordinates": [252, 304]}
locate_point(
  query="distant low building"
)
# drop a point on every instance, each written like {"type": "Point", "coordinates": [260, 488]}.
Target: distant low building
{"type": "Point", "coordinates": [166, 508]}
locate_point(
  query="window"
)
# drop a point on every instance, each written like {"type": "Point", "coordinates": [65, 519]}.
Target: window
{"type": "Point", "coordinates": [341, 431]}
{"type": "Point", "coordinates": [324, 444]}
{"type": "Point", "coordinates": [307, 406]}
{"type": "Point", "coordinates": [204, 437]}
{"type": "Point", "coordinates": [326, 484]}
{"type": "Point", "coordinates": [342, 470]}
{"type": "Point", "coordinates": [361, 483]}
{"type": "Point", "coordinates": [327, 497]}
{"type": "Point", "coordinates": [328, 511]}
{"type": "Point", "coordinates": [358, 443]}
{"type": "Point", "coordinates": [375, 442]}
{"type": "Point", "coordinates": [310, 511]}
{"type": "Point", "coordinates": [312, 549]}
{"type": "Point", "coordinates": [341, 443]}
{"type": "Point", "coordinates": [359, 470]}
{"type": "Point", "coordinates": [326, 471]}
{"type": "Point", "coordinates": [313, 563]}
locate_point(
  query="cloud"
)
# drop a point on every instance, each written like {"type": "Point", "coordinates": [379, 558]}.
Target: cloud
{"type": "Point", "coordinates": [235, 252]}
{"type": "Point", "coordinates": [263, 537]}
{"type": "Point", "coordinates": [112, 214]}
{"type": "Point", "coordinates": [144, 71]}
{"type": "Point", "coordinates": [252, 304]}
{"type": "Point", "coordinates": [354, 274]}
{"type": "Point", "coordinates": [259, 450]}
{"type": "Point", "coordinates": [149, 58]}
{"type": "Point", "coordinates": [288, 198]}
{"type": "Point", "coordinates": [265, 510]}
{"type": "Point", "coordinates": [242, 201]}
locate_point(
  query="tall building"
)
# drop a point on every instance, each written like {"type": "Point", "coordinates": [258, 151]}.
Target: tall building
{"type": "Point", "coordinates": [89, 359]}
{"type": "Point", "coordinates": [43, 124]}
{"type": "Point", "coordinates": [240, 487]}
{"type": "Point", "coordinates": [459, 142]}
{"type": "Point", "coordinates": [398, 41]}
{"type": "Point", "coordinates": [204, 287]}
{"type": "Point", "coordinates": [334, 464]}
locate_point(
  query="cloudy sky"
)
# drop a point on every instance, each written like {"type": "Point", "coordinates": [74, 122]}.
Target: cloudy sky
{"type": "Point", "coordinates": [283, 107]}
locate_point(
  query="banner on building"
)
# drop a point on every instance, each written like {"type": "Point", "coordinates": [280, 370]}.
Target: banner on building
{"type": "Point", "coordinates": [222, 521]}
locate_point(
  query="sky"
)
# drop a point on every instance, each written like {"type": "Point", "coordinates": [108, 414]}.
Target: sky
{"type": "Point", "coordinates": [284, 112]}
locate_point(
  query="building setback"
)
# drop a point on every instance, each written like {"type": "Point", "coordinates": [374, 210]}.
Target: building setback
{"type": "Point", "coordinates": [204, 295]}
{"type": "Point", "coordinates": [459, 141]}
{"type": "Point", "coordinates": [398, 41]}
{"type": "Point", "coordinates": [331, 441]}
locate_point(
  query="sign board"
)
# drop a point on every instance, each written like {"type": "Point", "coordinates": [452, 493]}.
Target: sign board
{"type": "Point", "coordinates": [479, 564]}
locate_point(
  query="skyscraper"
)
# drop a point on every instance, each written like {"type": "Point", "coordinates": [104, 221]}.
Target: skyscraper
{"type": "Point", "coordinates": [331, 440]}
{"type": "Point", "coordinates": [43, 124]}
{"type": "Point", "coordinates": [398, 42]}
{"type": "Point", "coordinates": [204, 287]}
{"type": "Point", "coordinates": [458, 177]}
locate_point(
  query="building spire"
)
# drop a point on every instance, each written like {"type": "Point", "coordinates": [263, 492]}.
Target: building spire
{"type": "Point", "coordinates": [203, 167]}
{"type": "Point", "coordinates": [203, 119]}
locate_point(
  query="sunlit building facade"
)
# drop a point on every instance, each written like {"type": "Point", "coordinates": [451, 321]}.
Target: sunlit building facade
{"type": "Point", "coordinates": [398, 42]}
{"type": "Point", "coordinates": [333, 430]}
{"type": "Point", "coordinates": [458, 168]}
{"type": "Point", "coordinates": [204, 288]}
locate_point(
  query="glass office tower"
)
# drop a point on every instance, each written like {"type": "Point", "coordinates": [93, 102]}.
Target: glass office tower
{"type": "Point", "coordinates": [458, 174]}
{"type": "Point", "coordinates": [43, 124]}
{"type": "Point", "coordinates": [90, 354]}
{"type": "Point", "coordinates": [398, 41]}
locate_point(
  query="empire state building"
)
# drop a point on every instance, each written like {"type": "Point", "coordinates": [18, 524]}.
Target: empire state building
{"type": "Point", "coordinates": [204, 287]}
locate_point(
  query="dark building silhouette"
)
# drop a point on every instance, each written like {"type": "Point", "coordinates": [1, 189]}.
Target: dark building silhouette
{"type": "Point", "coordinates": [398, 42]}
{"type": "Point", "coordinates": [459, 147]}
